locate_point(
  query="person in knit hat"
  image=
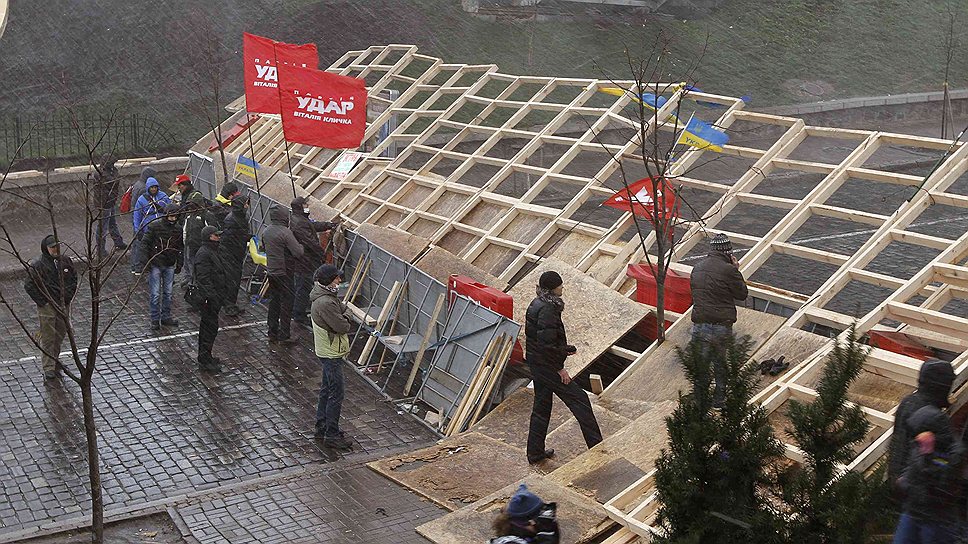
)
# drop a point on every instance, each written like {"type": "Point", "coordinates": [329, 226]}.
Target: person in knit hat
{"type": "Point", "coordinates": [526, 520]}
{"type": "Point", "coordinates": [546, 349]}
{"type": "Point", "coordinates": [716, 285]}
{"type": "Point", "coordinates": [331, 327]}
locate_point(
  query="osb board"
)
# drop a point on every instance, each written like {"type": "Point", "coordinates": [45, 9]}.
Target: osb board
{"type": "Point", "coordinates": [568, 441]}
{"type": "Point", "coordinates": [439, 264]}
{"type": "Point", "coordinates": [404, 245]}
{"type": "Point", "coordinates": [496, 258]}
{"type": "Point", "coordinates": [509, 421]}
{"type": "Point", "coordinates": [579, 518]}
{"type": "Point", "coordinates": [524, 228]}
{"type": "Point", "coordinates": [595, 316]}
{"type": "Point", "coordinates": [571, 249]}
{"type": "Point", "coordinates": [660, 376]}
{"type": "Point", "coordinates": [600, 474]}
{"type": "Point", "coordinates": [457, 471]}
{"type": "Point", "coordinates": [794, 345]}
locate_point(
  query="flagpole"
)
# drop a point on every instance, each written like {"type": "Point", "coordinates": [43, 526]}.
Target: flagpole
{"type": "Point", "coordinates": [285, 141]}
{"type": "Point", "coordinates": [255, 174]}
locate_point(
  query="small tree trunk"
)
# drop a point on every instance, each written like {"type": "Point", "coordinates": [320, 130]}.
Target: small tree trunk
{"type": "Point", "coordinates": [93, 462]}
{"type": "Point", "coordinates": [660, 308]}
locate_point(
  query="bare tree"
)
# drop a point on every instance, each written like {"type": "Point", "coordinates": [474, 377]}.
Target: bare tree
{"type": "Point", "coordinates": [948, 46]}
{"type": "Point", "coordinates": [84, 345]}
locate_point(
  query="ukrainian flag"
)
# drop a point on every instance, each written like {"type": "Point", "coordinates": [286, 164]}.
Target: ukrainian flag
{"type": "Point", "coordinates": [246, 166]}
{"type": "Point", "coordinates": [650, 100]}
{"type": "Point", "coordinates": [702, 135]}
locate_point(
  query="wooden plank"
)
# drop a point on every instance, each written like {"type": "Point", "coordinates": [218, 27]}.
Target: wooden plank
{"type": "Point", "coordinates": [809, 253]}
{"type": "Point", "coordinates": [596, 383]}
{"type": "Point", "coordinates": [930, 319]}
{"type": "Point", "coordinates": [855, 216]}
{"type": "Point", "coordinates": [952, 274]}
{"type": "Point", "coordinates": [924, 240]}
{"type": "Point", "coordinates": [424, 342]}
{"type": "Point", "coordinates": [380, 322]}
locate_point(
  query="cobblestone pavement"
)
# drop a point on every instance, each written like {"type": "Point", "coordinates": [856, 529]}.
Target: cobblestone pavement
{"type": "Point", "coordinates": [350, 506]}
{"type": "Point", "coordinates": [164, 429]}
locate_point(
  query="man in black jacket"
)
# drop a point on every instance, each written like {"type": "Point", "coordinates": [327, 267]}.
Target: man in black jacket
{"type": "Point", "coordinates": [546, 349]}
{"type": "Point", "coordinates": [51, 283]}
{"type": "Point", "coordinates": [194, 211]}
{"type": "Point", "coordinates": [306, 232]}
{"type": "Point", "coordinates": [161, 246]}
{"type": "Point", "coordinates": [282, 251]}
{"type": "Point", "coordinates": [106, 186]}
{"type": "Point", "coordinates": [210, 283]}
{"type": "Point", "coordinates": [232, 250]}
{"type": "Point", "coordinates": [716, 284]}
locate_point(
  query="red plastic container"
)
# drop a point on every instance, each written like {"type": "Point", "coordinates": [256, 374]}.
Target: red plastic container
{"type": "Point", "coordinates": [899, 342]}
{"type": "Point", "coordinates": [646, 327]}
{"type": "Point", "coordinates": [678, 294]}
{"type": "Point", "coordinates": [490, 298]}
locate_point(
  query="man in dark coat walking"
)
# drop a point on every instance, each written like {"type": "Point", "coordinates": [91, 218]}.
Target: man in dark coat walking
{"type": "Point", "coordinates": [546, 350]}
{"type": "Point", "coordinates": [282, 251]}
{"type": "Point", "coordinates": [210, 283]}
{"type": "Point", "coordinates": [161, 247]}
{"type": "Point", "coordinates": [232, 251]}
{"type": "Point", "coordinates": [106, 185]}
{"type": "Point", "coordinates": [306, 232]}
{"type": "Point", "coordinates": [51, 283]}
{"type": "Point", "coordinates": [716, 285]}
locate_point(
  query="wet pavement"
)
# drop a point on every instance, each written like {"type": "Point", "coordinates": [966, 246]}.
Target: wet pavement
{"type": "Point", "coordinates": [165, 430]}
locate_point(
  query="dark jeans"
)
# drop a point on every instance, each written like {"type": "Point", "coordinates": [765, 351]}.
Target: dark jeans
{"type": "Point", "coordinates": [189, 266]}
{"type": "Point", "coordinates": [134, 255]}
{"type": "Point", "coordinates": [547, 382]}
{"type": "Point", "coordinates": [207, 331]}
{"type": "Point", "coordinates": [233, 277]}
{"type": "Point", "coordinates": [713, 339]}
{"type": "Point", "coordinates": [330, 398]}
{"type": "Point", "coordinates": [280, 306]}
{"type": "Point", "coordinates": [913, 531]}
{"type": "Point", "coordinates": [108, 222]}
{"type": "Point", "coordinates": [302, 285]}
{"type": "Point", "coordinates": [160, 282]}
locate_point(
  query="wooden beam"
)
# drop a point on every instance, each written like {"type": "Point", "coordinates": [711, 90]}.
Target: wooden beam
{"type": "Point", "coordinates": [952, 274]}
{"type": "Point", "coordinates": [930, 319]}
{"type": "Point", "coordinates": [919, 239]}
{"type": "Point", "coordinates": [855, 216]}
{"type": "Point", "coordinates": [809, 253]}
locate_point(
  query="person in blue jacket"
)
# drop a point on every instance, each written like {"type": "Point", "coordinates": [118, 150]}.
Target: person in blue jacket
{"type": "Point", "coordinates": [150, 206]}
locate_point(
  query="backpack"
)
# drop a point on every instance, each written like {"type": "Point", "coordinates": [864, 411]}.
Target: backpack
{"type": "Point", "coordinates": [125, 206]}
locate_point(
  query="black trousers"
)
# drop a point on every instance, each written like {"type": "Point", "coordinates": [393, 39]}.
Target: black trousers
{"type": "Point", "coordinates": [547, 382]}
{"type": "Point", "coordinates": [280, 306]}
{"type": "Point", "coordinates": [207, 331]}
{"type": "Point", "coordinates": [233, 277]}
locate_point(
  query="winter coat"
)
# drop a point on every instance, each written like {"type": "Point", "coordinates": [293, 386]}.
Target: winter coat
{"type": "Point", "coordinates": [161, 245]}
{"type": "Point", "coordinates": [148, 208]}
{"type": "Point", "coordinates": [45, 274]}
{"type": "Point", "coordinates": [331, 324]}
{"type": "Point", "coordinates": [716, 284]}
{"type": "Point", "coordinates": [194, 205]}
{"type": "Point", "coordinates": [934, 385]}
{"type": "Point", "coordinates": [931, 482]}
{"type": "Point", "coordinates": [545, 340]}
{"type": "Point", "coordinates": [210, 277]}
{"type": "Point", "coordinates": [233, 244]}
{"type": "Point", "coordinates": [106, 185]}
{"type": "Point", "coordinates": [138, 188]}
{"type": "Point", "coordinates": [282, 248]}
{"type": "Point", "coordinates": [306, 232]}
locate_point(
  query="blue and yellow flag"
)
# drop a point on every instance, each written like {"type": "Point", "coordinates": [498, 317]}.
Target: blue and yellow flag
{"type": "Point", "coordinates": [246, 166]}
{"type": "Point", "coordinates": [702, 135]}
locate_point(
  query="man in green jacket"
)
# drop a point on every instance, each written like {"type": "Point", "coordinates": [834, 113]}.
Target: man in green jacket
{"type": "Point", "coordinates": [331, 327]}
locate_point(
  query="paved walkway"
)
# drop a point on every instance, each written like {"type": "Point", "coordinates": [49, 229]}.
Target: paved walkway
{"type": "Point", "coordinates": [167, 432]}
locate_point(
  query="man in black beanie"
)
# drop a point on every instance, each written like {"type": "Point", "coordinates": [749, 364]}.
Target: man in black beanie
{"type": "Point", "coordinates": [547, 348]}
{"type": "Point", "coordinates": [716, 284]}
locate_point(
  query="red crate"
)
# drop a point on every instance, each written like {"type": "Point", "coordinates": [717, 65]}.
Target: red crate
{"type": "Point", "coordinates": [490, 298]}
{"type": "Point", "coordinates": [646, 327]}
{"type": "Point", "coordinates": [899, 342]}
{"type": "Point", "coordinates": [678, 294]}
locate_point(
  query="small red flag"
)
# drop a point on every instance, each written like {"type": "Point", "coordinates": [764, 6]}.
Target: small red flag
{"type": "Point", "coordinates": [260, 59]}
{"type": "Point", "coordinates": [322, 109]}
{"type": "Point", "coordinates": [642, 203]}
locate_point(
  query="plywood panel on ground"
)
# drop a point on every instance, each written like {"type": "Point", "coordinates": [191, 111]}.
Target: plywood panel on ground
{"type": "Point", "coordinates": [580, 518]}
{"type": "Point", "coordinates": [403, 245]}
{"type": "Point", "coordinates": [660, 376]}
{"type": "Point", "coordinates": [439, 264]}
{"type": "Point", "coordinates": [457, 471]}
{"type": "Point", "coordinates": [794, 345]}
{"type": "Point", "coordinates": [595, 316]}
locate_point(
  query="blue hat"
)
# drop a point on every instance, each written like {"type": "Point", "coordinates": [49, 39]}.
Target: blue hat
{"type": "Point", "coordinates": [523, 504]}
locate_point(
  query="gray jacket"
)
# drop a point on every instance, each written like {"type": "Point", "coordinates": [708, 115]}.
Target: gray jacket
{"type": "Point", "coordinates": [328, 311]}
{"type": "Point", "coordinates": [282, 248]}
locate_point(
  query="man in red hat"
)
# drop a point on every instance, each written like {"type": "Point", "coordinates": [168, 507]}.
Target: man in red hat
{"type": "Point", "coordinates": [193, 208]}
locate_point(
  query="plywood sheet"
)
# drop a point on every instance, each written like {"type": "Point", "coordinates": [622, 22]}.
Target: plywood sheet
{"type": "Point", "coordinates": [403, 245]}
{"type": "Point", "coordinates": [794, 345]}
{"type": "Point", "coordinates": [439, 264]}
{"type": "Point", "coordinates": [595, 316]}
{"type": "Point", "coordinates": [621, 459]}
{"type": "Point", "coordinates": [660, 377]}
{"type": "Point", "coordinates": [579, 518]}
{"type": "Point", "coordinates": [457, 471]}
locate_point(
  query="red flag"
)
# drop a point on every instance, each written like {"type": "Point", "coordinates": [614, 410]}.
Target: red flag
{"type": "Point", "coordinates": [260, 59]}
{"type": "Point", "coordinates": [322, 109]}
{"type": "Point", "coordinates": [641, 202]}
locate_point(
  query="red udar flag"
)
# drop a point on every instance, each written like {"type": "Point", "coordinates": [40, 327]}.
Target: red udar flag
{"type": "Point", "coordinates": [261, 57]}
{"type": "Point", "coordinates": [322, 109]}
{"type": "Point", "coordinates": [641, 202]}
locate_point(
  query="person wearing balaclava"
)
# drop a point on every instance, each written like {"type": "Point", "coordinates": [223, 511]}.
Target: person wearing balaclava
{"type": "Point", "coordinates": [526, 519]}
{"type": "Point", "coordinates": [282, 251]}
{"type": "Point", "coordinates": [546, 349]}
{"type": "Point", "coordinates": [210, 281]}
{"type": "Point", "coordinates": [149, 207]}
{"type": "Point", "coordinates": [716, 285]}
{"type": "Point", "coordinates": [162, 249]}
{"type": "Point", "coordinates": [106, 180]}
{"type": "Point", "coordinates": [232, 250]}
{"type": "Point", "coordinates": [306, 232]}
{"type": "Point", "coordinates": [51, 283]}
